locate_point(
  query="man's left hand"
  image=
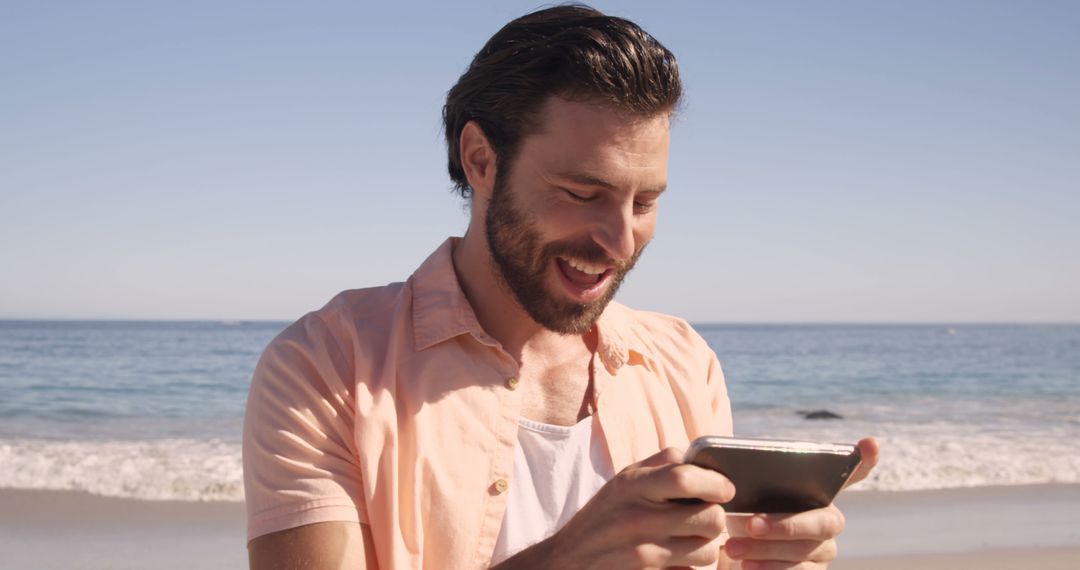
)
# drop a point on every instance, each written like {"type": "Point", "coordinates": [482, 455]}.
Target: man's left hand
{"type": "Point", "coordinates": [800, 541]}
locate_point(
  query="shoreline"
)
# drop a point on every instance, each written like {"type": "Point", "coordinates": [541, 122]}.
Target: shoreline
{"type": "Point", "coordinates": [955, 529]}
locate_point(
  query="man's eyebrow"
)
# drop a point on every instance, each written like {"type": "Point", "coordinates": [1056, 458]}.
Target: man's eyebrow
{"type": "Point", "coordinates": [590, 180]}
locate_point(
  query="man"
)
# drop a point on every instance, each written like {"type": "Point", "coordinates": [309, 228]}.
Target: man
{"type": "Point", "coordinates": [498, 408]}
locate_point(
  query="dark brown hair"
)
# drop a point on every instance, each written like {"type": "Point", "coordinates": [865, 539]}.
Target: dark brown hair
{"type": "Point", "coordinates": [574, 52]}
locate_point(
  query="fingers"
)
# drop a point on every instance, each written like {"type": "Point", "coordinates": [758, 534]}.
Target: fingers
{"type": "Point", "coordinates": [773, 565]}
{"type": "Point", "coordinates": [665, 456]}
{"type": "Point", "coordinates": [789, 551]}
{"type": "Point", "coordinates": [678, 551]}
{"type": "Point", "coordinates": [660, 481]}
{"type": "Point", "coordinates": [819, 524]}
{"type": "Point", "coordinates": [870, 451]}
{"type": "Point", "coordinates": [652, 523]}
{"type": "Point", "coordinates": [785, 541]}
{"type": "Point", "coordinates": [708, 521]}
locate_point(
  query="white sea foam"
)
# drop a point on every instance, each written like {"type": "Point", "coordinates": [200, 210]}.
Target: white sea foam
{"type": "Point", "coordinates": [915, 456]}
{"type": "Point", "coordinates": [936, 454]}
{"type": "Point", "coordinates": [929, 461]}
{"type": "Point", "coordinates": [174, 469]}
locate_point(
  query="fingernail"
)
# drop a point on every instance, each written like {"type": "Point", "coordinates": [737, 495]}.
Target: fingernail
{"type": "Point", "coordinates": [758, 526]}
{"type": "Point", "coordinates": [734, 548]}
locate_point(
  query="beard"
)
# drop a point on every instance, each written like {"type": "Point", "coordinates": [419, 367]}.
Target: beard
{"type": "Point", "coordinates": [521, 262]}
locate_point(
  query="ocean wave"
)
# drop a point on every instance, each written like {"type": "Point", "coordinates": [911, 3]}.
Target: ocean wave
{"type": "Point", "coordinates": [171, 469]}
{"type": "Point", "coordinates": [930, 461]}
{"type": "Point", "coordinates": [913, 458]}
{"type": "Point", "coordinates": [943, 454]}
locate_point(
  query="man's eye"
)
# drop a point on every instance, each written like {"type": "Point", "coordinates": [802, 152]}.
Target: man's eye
{"type": "Point", "coordinates": [644, 207]}
{"type": "Point", "coordinates": [578, 197]}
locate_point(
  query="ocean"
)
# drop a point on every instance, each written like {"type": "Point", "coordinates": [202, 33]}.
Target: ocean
{"type": "Point", "coordinates": [153, 410]}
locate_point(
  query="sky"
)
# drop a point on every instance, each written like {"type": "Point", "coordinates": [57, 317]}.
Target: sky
{"type": "Point", "coordinates": [833, 161]}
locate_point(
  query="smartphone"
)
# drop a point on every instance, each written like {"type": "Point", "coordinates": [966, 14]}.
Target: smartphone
{"type": "Point", "coordinates": [777, 476]}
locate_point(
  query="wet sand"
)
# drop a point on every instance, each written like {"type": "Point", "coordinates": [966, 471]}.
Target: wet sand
{"type": "Point", "coordinates": [1006, 528]}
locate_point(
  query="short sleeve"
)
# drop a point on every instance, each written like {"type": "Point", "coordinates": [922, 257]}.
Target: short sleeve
{"type": "Point", "coordinates": [299, 453]}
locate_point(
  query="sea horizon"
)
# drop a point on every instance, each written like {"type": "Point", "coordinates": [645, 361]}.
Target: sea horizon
{"type": "Point", "coordinates": [153, 409]}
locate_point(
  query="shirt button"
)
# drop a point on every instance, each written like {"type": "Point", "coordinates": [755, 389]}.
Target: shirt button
{"type": "Point", "coordinates": [512, 382]}
{"type": "Point", "coordinates": [501, 486]}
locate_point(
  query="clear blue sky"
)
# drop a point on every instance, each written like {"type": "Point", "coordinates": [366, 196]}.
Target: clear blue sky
{"type": "Point", "coordinates": [835, 161]}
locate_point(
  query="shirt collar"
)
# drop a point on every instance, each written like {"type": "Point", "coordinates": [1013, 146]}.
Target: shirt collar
{"type": "Point", "coordinates": [440, 309]}
{"type": "Point", "coordinates": [619, 340]}
{"type": "Point", "coordinates": [441, 312]}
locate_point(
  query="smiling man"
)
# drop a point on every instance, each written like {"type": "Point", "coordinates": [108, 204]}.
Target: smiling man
{"type": "Point", "coordinates": [498, 408]}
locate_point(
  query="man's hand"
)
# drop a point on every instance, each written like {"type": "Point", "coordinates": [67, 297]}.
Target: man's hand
{"type": "Point", "coordinates": [791, 541]}
{"type": "Point", "coordinates": [634, 521]}
{"type": "Point", "coordinates": [794, 541]}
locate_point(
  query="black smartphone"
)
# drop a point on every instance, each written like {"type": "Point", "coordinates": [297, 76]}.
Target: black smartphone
{"type": "Point", "coordinates": [777, 476]}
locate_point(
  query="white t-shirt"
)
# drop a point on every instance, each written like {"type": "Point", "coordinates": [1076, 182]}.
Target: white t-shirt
{"type": "Point", "coordinates": [557, 469]}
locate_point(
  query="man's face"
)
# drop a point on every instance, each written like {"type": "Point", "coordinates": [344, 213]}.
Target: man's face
{"type": "Point", "coordinates": [577, 207]}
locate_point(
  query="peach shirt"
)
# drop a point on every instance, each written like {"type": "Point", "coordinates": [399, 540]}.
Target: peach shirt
{"type": "Point", "coordinates": [391, 407]}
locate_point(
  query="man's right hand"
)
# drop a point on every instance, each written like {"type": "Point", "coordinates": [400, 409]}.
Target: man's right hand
{"type": "Point", "coordinates": [636, 521]}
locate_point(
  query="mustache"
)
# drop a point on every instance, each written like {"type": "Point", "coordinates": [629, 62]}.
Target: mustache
{"type": "Point", "coordinates": [589, 252]}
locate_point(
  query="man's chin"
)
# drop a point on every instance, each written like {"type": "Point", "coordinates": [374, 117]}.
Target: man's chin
{"type": "Point", "coordinates": [570, 327]}
{"type": "Point", "coordinates": [569, 318]}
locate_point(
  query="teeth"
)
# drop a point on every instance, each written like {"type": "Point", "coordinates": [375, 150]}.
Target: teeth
{"type": "Point", "coordinates": [586, 267]}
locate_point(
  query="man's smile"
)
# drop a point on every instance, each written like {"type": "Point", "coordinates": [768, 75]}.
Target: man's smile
{"type": "Point", "coordinates": [584, 281]}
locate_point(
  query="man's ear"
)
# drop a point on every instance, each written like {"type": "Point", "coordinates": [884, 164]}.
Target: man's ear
{"type": "Point", "coordinates": [478, 159]}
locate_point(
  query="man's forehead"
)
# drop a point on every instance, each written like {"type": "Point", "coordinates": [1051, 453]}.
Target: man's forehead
{"type": "Point", "coordinates": [558, 110]}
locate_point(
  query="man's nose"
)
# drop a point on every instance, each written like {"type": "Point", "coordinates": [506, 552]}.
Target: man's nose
{"type": "Point", "coordinates": [614, 231]}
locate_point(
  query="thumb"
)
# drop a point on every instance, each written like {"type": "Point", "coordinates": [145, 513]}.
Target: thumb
{"type": "Point", "coordinates": [870, 451]}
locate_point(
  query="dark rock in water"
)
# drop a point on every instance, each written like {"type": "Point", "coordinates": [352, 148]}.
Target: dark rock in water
{"type": "Point", "coordinates": [820, 415]}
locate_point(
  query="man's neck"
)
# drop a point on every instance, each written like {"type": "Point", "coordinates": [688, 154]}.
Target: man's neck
{"type": "Point", "coordinates": [554, 368]}
{"type": "Point", "coordinates": [498, 312]}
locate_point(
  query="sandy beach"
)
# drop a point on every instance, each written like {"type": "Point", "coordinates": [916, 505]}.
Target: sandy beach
{"type": "Point", "coordinates": [986, 528]}
{"type": "Point", "coordinates": [64, 529]}
{"type": "Point", "coordinates": [1006, 528]}
{"type": "Point", "coordinates": [1019, 559]}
